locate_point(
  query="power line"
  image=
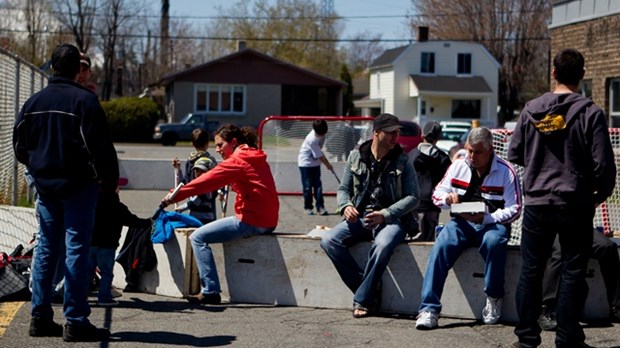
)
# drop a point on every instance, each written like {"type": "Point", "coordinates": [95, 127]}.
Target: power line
{"type": "Point", "coordinates": [324, 17]}
{"type": "Point", "coordinates": [282, 39]}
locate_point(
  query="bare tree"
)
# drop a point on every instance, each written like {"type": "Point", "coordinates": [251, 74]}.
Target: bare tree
{"type": "Point", "coordinates": [35, 14]}
{"type": "Point", "coordinates": [110, 29]}
{"type": "Point", "coordinates": [362, 51]}
{"type": "Point", "coordinates": [79, 17]}
{"type": "Point", "coordinates": [514, 31]}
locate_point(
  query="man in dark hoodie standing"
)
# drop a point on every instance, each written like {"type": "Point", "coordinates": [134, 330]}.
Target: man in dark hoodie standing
{"type": "Point", "coordinates": [62, 137]}
{"type": "Point", "coordinates": [562, 140]}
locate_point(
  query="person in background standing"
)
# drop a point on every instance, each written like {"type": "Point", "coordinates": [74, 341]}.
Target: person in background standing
{"type": "Point", "coordinates": [430, 164]}
{"type": "Point", "coordinates": [606, 252]}
{"type": "Point", "coordinates": [83, 76]}
{"type": "Point", "coordinates": [309, 160]}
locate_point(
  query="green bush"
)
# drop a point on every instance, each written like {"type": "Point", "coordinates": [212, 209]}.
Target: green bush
{"type": "Point", "coordinates": [131, 119]}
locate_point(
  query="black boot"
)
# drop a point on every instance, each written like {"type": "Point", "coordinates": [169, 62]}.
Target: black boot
{"type": "Point", "coordinates": [44, 328]}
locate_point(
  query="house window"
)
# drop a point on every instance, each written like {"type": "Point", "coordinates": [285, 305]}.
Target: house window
{"type": "Point", "coordinates": [585, 88]}
{"type": "Point", "coordinates": [463, 64]}
{"type": "Point", "coordinates": [423, 107]}
{"type": "Point", "coordinates": [220, 98]}
{"type": "Point", "coordinates": [466, 108]}
{"type": "Point", "coordinates": [201, 98]}
{"type": "Point", "coordinates": [428, 63]}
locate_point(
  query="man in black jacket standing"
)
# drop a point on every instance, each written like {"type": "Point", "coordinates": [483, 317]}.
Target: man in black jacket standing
{"type": "Point", "coordinates": [562, 139]}
{"type": "Point", "coordinates": [62, 137]}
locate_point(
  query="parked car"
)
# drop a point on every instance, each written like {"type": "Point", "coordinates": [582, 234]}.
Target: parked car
{"type": "Point", "coordinates": [456, 124]}
{"type": "Point", "coordinates": [410, 135]}
{"type": "Point", "coordinates": [170, 133]}
{"type": "Point", "coordinates": [451, 137]}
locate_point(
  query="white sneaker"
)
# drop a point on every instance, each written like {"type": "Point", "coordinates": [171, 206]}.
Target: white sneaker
{"type": "Point", "coordinates": [426, 320]}
{"type": "Point", "coordinates": [115, 293]}
{"type": "Point", "coordinates": [492, 311]}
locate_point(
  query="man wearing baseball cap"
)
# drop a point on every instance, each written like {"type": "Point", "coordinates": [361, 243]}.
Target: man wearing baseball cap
{"type": "Point", "coordinates": [376, 197]}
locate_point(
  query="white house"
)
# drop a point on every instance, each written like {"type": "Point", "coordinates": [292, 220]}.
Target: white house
{"type": "Point", "coordinates": [434, 80]}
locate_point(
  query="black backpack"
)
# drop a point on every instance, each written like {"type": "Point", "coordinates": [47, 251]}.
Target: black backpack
{"type": "Point", "coordinates": [430, 171]}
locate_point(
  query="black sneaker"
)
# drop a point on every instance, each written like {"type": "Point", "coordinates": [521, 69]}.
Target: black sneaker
{"type": "Point", "coordinates": [44, 328]}
{"type": "Point", "coordinates": [84, 333]}
{"type": "Point", "coordinates": [547, 320]}
{"type": "Point", "coordinates": [213, 299]}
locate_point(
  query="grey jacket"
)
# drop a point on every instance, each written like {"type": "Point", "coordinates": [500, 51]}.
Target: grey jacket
{"type": "Point", "coordinates": [401, 186]}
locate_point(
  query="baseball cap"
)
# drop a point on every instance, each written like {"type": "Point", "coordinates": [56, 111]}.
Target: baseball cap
{"type": "Point", "coordinates": [432, 130]}
{"type": "Point", "coordinates": [84, 59]}
{"type": "Point", "coordinates": [386, 123]}
{"type": "Point", "coordinates": [203, 163]}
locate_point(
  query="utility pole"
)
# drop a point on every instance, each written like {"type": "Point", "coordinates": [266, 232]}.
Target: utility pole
{"type": "Point", "coordinates": [165, 34]}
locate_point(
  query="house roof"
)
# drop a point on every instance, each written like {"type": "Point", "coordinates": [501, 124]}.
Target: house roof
{"type": "Point", "coordinates": [230, 69]}
{"type": "Point", "coordinates": [474, 84]}
{"type": "Point", "coordinates": [388, 57]}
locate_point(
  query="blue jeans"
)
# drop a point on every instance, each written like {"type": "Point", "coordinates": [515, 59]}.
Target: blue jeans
{"type": "Point", "coordinates": [457, 235]}
{"type": "Point", "coordinates": [574, 226]}
{"type": "Point", "coordinates": [311, 181]}
{"type": "Point", "coordinates": [362, 282]}
{"type": "Point", "coordinates": [69, 221]}
{"type": "Point", "coordinates": [103, 258]}
{"type": "Point", "coordinates": [218, 231]}
{"type": "Point", "coordinates": [58, 283]}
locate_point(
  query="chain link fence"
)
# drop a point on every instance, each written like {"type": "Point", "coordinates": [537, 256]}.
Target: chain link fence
{"type": "Point", "coordinates": [18, 81]}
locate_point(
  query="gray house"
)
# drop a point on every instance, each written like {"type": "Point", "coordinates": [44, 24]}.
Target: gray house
{"type": "Point", "coordinates": [245, 87]}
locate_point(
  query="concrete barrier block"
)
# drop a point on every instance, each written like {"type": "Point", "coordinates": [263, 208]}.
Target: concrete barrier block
{"type": "Point", "coordinates": [293, 270]}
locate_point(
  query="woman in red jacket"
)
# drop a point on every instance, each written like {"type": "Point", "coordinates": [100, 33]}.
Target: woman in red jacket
{"type": "Point", "coordinates": [246, 170]}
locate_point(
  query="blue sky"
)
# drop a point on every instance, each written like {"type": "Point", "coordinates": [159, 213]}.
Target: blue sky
{"type": "Point", "coordinates": [390, 28]}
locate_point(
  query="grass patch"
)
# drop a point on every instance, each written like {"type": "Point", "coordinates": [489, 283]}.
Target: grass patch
{"type": "Point", "coordinates": [25, 202]}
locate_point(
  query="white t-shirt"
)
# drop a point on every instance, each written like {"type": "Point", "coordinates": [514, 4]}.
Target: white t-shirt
{"type": "Point", "coordinates": [310, 150]}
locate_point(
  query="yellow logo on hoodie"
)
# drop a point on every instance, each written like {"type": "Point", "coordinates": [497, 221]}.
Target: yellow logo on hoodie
{"type": "Point", "coordinates": [550, 123]}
